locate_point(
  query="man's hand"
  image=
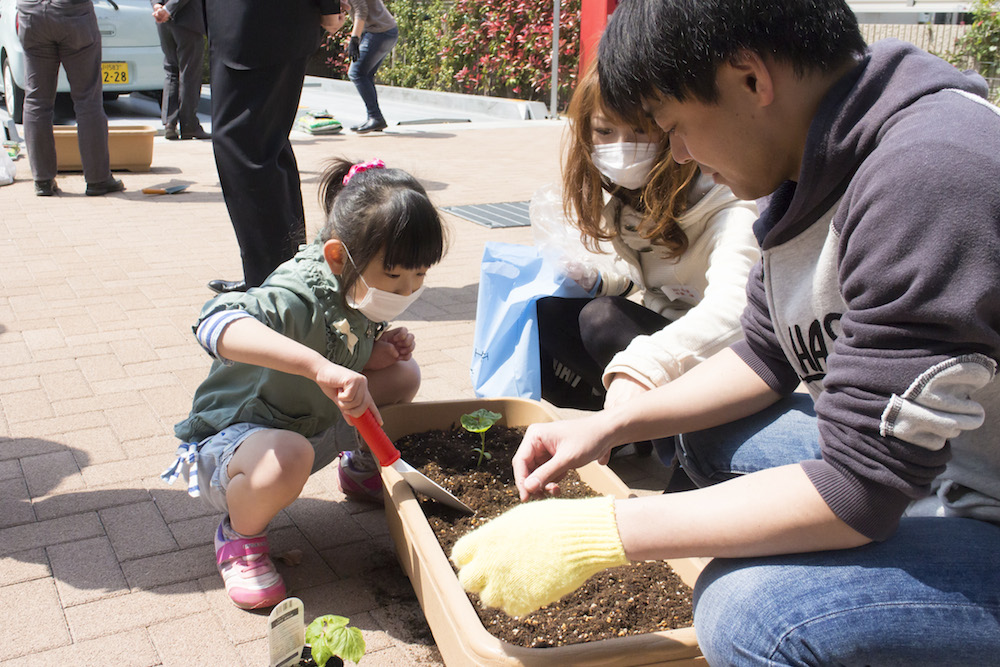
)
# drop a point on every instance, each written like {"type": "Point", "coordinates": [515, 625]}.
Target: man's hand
{"type": "Point", "coordinates": [354, 48]}
{"type": "Point", "coordinates": [333, 22]}
{"type": "Point", "coordinates": [538, 552]}
{"type": "Point", "coordinates": [160, 14]}
{"type": "Point", "coordinates": [548, 451]}
{"type": "Point", "coordinates": [623, 388]}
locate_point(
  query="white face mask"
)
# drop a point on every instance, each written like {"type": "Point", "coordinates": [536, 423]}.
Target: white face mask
{"type": "Point", "coordinates": [381, 306]}
{"type": "Point", "coordinates": [626, 164]}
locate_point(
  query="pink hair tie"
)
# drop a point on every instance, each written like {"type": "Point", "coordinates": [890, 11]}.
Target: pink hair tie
{"type": "Point", "coordinates": [364, 166]}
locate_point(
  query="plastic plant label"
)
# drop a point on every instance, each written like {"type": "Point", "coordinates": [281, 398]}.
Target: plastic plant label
{"type": "Point", "coordinates": [286, 632]}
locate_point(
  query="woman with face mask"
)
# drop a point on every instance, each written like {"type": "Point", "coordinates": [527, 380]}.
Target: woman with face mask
{"type": "Point", "coordinates": [682, 248]}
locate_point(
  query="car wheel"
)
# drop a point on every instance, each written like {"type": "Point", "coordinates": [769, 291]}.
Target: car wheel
{"type": "Point", "coordinates": [13, 96]}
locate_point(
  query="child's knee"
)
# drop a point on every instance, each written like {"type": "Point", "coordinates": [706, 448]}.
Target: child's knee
{"type": "Point", "coordinates": [409, 380]}
{"type": "Point", "coordinates": [274, 457]}
{"type": "Point", "coordinates": [398, 383]}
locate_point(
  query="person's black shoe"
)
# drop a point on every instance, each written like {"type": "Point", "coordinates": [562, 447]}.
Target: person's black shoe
{"type": "Point", "coordinates": [197, 133]}
{"type": "Point", "coordinates": [170, 133]}
{"type": "Point", "coordinates": [103, 188]}
{"type": "Point", "coordinates": [355, 128]}
{"type": "Point", "coordinates": [46, 188]}
{"type": "Point", "coordinates": [372, 125]}
{"type": "Point", "coordinates": [223, 286]}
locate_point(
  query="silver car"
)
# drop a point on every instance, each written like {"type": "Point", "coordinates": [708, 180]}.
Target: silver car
{"type": "Point", "coordinates": [132, 59]}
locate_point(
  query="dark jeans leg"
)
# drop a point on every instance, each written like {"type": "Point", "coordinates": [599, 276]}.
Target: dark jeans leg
{"type": "Point", "coordinates": [374, 47]}
{"type": "Point", "coordinates": [252, 113]}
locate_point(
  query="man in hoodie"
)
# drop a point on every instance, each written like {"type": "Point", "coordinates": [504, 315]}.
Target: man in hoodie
{"type": "Point", "coordinates": [862, 527]}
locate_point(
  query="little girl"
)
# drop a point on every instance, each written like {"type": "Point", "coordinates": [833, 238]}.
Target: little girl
{"type": "Point", "coordinates": [683, 243]}
{"type": "Point", "coordinates": [296, 354]}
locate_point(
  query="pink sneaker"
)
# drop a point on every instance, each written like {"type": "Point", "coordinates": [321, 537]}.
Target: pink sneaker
{"type": "Point", "coordinates": [363, 485]}
{"type": "Point", "coordinates": [251, 580]}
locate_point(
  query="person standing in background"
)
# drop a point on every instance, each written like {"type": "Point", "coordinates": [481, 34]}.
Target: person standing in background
{"type": "Point", "coordinates": [54, 33]}
{"type": "Point", "coordinates": [258, 52]}
{"type": "Point", "coordinates": [181, 24]}
{"type": "Point", "coordinates": [373, 34]}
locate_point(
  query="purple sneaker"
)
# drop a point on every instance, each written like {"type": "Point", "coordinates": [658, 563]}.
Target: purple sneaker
{"type": "Point", "coordinates": [365, 485]}
{"type": "Point", "coordinates": [251, 580]}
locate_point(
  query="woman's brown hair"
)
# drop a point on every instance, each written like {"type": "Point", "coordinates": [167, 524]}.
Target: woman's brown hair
{"type": "Point", "coordinates": [661, 202]}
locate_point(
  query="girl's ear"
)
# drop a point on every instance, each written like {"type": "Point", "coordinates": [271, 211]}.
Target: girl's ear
{"type": "Point", "coordinates": [333, 252]}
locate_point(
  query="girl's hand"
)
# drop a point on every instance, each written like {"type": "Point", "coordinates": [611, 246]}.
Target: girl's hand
{"type": "Point", "coordinates": [402, 340]}
{"type": "Point", "coordinates": [392, 346]}
{"type": "Point", "coordinates": [347, 389]}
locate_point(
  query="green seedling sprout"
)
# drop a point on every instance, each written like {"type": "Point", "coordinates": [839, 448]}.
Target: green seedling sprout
{"type": "Point", "coordinates": [480, 422]}
{"type": "Point", "coordinates": [329, 636]}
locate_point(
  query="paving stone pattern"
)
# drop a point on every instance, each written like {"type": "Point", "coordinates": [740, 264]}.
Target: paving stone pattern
{"type": "Point", "coordinates": [101, 563]}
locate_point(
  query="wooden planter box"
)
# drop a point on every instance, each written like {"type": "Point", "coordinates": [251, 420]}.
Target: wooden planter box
{"type": "Point", "coordinates": [459, 633]}
{"type": "Point", "coordinates": [130, 147]}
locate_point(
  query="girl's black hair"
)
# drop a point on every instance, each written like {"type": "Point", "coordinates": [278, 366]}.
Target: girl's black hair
{"type": "Point", "coordinates": [379, 208]}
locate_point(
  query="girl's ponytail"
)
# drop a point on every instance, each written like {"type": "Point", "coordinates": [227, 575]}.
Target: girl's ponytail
{"type": "Point", "coordinates": [332, 182]}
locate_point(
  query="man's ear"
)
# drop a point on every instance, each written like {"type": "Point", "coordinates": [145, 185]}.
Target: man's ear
{"type": "Point", "coordinates": [753, 75]}
{"type": "Point", "coordinates": [333, 252]}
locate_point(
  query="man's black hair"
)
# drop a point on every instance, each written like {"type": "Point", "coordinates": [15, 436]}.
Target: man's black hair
{"type": "Point", "coordinates": [675, 46]}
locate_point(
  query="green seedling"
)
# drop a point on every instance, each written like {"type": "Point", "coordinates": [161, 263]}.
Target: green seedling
{"type": "Point", "coordinates": [480, 422]}
{"type": "Point", "coordinates": [330, 637]}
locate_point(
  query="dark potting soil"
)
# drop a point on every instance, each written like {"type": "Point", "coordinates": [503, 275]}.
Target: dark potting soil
{"type": "Point", "coordinates": [633, 599]}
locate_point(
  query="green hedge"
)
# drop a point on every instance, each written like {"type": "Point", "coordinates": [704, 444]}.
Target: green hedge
{"type": "Point", "coordinates": [500, 48]}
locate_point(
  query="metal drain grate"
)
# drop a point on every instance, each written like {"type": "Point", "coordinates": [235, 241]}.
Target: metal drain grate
{"type": "Point", "coordinates": [505, 214]}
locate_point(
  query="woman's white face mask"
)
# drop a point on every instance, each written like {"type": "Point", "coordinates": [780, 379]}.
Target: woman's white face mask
{"type": "Point", "coordinates": [626, 164]}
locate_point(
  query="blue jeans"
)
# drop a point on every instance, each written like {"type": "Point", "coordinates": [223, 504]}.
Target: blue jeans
{"type": "Point", "coordinates": [929, 595]}
{"type": "Point", "coordinates": [374, 47]}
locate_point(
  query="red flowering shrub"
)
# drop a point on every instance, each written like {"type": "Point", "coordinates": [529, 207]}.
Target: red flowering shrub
{"type": "Point", "coordinates": [500, 48]}
{"type": "Point", "coordinates": [504, 47]}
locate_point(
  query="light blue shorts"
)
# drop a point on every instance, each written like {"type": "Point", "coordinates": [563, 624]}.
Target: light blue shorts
{"type": "Point", "coordinates": [206, 463]}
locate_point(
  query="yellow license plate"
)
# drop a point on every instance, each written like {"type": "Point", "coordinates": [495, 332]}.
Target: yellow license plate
{"type": "Point", "coordinates": [114, 73]}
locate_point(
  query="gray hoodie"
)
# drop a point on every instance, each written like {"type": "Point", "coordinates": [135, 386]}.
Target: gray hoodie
{"type": "Point", "coordinates": [879, 288]}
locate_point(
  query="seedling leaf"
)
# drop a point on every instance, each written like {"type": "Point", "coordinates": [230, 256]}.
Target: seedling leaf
{"type": "Point", "coordinates": [480, 421]}
{"type": "Point", "coordinates": [330, 636]}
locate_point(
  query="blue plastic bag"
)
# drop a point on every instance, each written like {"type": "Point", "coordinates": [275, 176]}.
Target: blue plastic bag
{"type": "Point", "coordinates": [505, 347]}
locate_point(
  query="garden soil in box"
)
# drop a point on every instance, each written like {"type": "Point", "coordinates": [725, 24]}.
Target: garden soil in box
{"type": "Point", "coordinates": [638, 614]}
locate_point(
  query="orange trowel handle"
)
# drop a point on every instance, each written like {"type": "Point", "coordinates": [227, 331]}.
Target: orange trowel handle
{"type": "Point", "coordinates": [377, 440]}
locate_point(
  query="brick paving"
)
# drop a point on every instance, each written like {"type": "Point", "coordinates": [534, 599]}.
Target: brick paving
{"type": "Point", "coordinates": [102, 563]}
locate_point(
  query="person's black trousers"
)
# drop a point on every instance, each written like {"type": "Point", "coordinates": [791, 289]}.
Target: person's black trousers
{"type": "Point", "coordinates": [577, 338]}
{"type": "Point", "coordinates": [253, 111]}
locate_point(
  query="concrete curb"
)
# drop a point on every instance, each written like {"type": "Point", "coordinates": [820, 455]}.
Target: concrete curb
{"type": "Point", "coordinates": [498, 107]}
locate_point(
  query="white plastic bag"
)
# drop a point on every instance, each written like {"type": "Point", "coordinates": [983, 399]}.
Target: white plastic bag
{"type": "Point", "coordinates": [559, 240]}
{"type": "Point", "coordinates": [8, 170]}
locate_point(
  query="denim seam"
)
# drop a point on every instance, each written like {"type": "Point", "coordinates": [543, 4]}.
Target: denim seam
{"type": "Point", "coordinates": [909, 603]}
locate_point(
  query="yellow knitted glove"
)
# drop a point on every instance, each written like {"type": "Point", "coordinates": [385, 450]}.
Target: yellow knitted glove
{"type": "Point", "coordinates": [538, 552]}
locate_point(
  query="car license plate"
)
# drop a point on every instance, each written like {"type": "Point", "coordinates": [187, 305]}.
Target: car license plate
{"type": "Point", "coordinates": [114, 73]}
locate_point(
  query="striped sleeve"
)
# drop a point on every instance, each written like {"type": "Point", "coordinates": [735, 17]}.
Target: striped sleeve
{"type": "Point", "coordinates": [211, 329]}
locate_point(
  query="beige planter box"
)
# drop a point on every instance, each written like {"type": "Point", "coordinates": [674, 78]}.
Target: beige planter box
{"type": "Point", "coordinates": [129, 146]}
{"type": "Point", "coordinates": [460, 635]}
